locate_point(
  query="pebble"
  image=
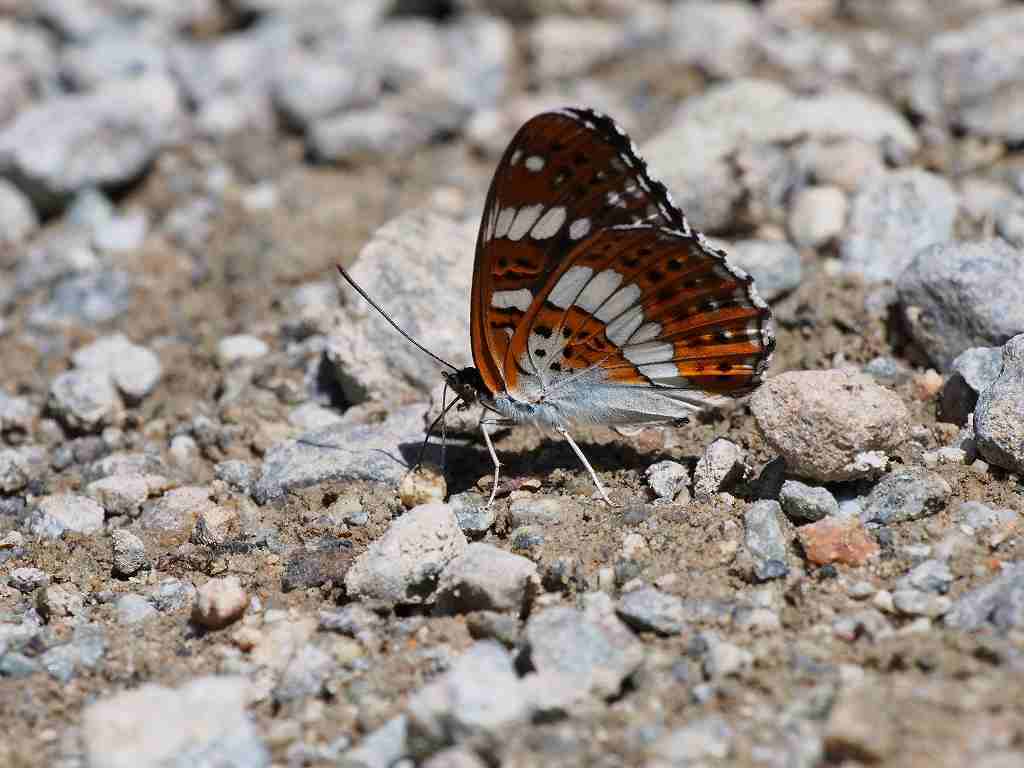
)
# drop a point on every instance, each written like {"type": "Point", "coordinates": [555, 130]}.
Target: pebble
{"type": "Point", "coordinates": [830, 425]}
{"type": "Point", "coordinates": [723, 659]}
{"type": "Point", "coordinates": [28, 579]}
{"type": "Point", "coordinates": [207, 716]}
{"type": "Point", "coordinates": [927, 576]}
{"type": "Point", "coordinates": [535, 511]}
{"type": "Point", "coordinates": [478, 700]}
{"type": "Point", "coordinates": [60, 601]}
{"type": "Point", "coordinates": [564, 46]}
{"type": "Point", "coordinates": [174, 514]}
{"type": "Point", "coordinates": [971, 372]}
{"type": "Point", "coordinates": [134, 369]}
{"type": "Point", "coordinates": [719, 469]}
{"type": "Point", "coordinates": [775, 266]}
{"type": "Point", "coordinates": [906, 494]}
{"type": "Point", "coordinates": [911, 602]}
{"type": "Point", "coordinates": [893, 217]}
{"type": "Point", "coordinates": [765, 541]}
{"type": "Point", "coordinates": [978, 516]}
{"type": "Point", "coordinates": [456, 757]}
{"type": "Point", "coordinates": [87, 299]}
{"type": "Point", "coordinates": [18, 219]}
{"type": "Point", "coordinates": [701, 740]}
{"type": "Point", "coordinates": [241, 348]}
{"type": "Point", "coordinates": [172, 595]}
{"type": "Point", "coordinates": [487, 578]}
{"type": "Point", "coordinates": [84, 651]}
{"type": "Point", "coordinates": [837, 540]}
{"type": "Point", "coordinates": [19, 467]}
{"type": "Point", "coordinates": [66, 512]}
{"type": "Point", "coordinates": [403, 565]}
{"type": "Point", "coordinates": [310, 417]}
{"type": "Point", "coordinates": [667, 478]}
{"type": "Point", "coordinates": [422, 485]}
{"type": "Point", "coordinates": [316, 458]}
{"type": "Point", "coordinates": [999, 416]}
{"type": "Point", "coordinates": [805, 503]}
{"type": "Point", "coordinates": [316, 564]}
{"type": "Point", "coordinates": [304, 674]}
{"type": "Point", "coordinates": [17, 415]}
{"type": "Point", "coordinates": [84, 400]}
{"type": "Point", "coordinates": [817, 216]}
{"type": "Point", "coordinates": [129, 552]}
{"type": "Point", "coordinates": [120, 494]}
{"type": "Point", "coordinates": [592, 654]}
{"type": "Point", "coordinates": [219, 603]}
{"type": "Point", "coordinates": [962, 295]}
{"type": "Point", "coordinates": [846, 164]}
{"type": "Point", "coordinates": [862, 724]}
{"type": "Point", "coordinates": [360, 134]}
{"type": "Point", "coordinates": [474, 516]}
{"type": "Point", "coordinates": [308, 87]}
{"type": "Point", "coordinates": [133, 609]}
{"type": "Point", "coordinates": [650, 610]}
{"type": "Point", "coordinates": [40, 144]}
{"type": "Point", "coordinates": [998, 603]}
{"type": "Point", "coordinates": [383, 748]}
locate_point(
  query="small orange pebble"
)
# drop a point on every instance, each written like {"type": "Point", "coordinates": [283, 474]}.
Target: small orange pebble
{"type": "Point", "coordinates": [837, 540]}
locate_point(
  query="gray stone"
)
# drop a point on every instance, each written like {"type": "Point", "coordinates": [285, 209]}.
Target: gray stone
{"type": "Point", "coordinates": [206, 723]}
{"type": "Point", "coordinates": [719, 469]}
{"type": "Point", "coordinates": [176, 512]}
{"type": "Point", "coordinates": [456, 757]}
{"type": "Point", "coordinates": [723, 659]}
{"type": "Point", "coordinates": [240, 475]}
{"type": "Point", "coordinates": [830, 425]}
{"type": "Point", "coordinates": [471, 510]}
{"type": "Point", "coordinates": [774, 264]}
{"type": "Point", "coordinates": [304, 675]}
{"type": "Point", "coordinates": [363, 133]}
{"type": "Point", "coordinates": [478, 700]}
{"type": "Point", "coordinates": [1009, 221]}
{"type": "Point", "coordinates": [66, 512]}
{"type": "Point", "coordinates": [83, 400]}
{"type": "Point", "coordinates": [129, 552]}
{"type": "Point", "coordinates": [979, 516]}
{"type": "Point", "coordinates": [765, 541]}
{"type": "Point", "coordinates": [403, 565]}
{"type": "Point", "coordinates": [894, 216]}
{"type": "Point", "coordinates": [307, 87]}
{"type": "Point", "coordinates": [240, 348]}
{"type": "Point", "coordinates": [593, 654]}
{"type": "Point", "coordinates": [28, 579]}
{"type": "Point", "coordinates": [667, 478]}
{"type": "Point", "coordinates": [999, 416]}
{"type": "Point", "coordinates": [85, 650]}
{"type": "Point", "coordinates": [20, 466]}
{"type": "Point", "coordinates": [906, 494]}
{"type": "Point", "coordinates": [423, 263]}
{"type": "Point", "coordinates": [120, 494]}
{"type": "Point", "coordinates": [172, 595]}
{"type": "Point", "coordinates": [847, 164]}
{"type": "Point", "coordinates": [971, 76]}
{"type": "Point", "coordinates": [133, 368]}
{"type": "Point", "coordinates": [123, 122]}
{"type": "Point", "coordinates": [567, 46]}
{"type": "Point", "coordinates": [911, 602]}
{"type": "Point", "coordinates": [718, 37]}
{"type": "Point", "coordinates": [122, 233]}
{"type": "Point", "coordinates": [18, 219]}
{"type": "Point", "coordinates": [133, 609]}
{"type": "Point", "coordinates": [817, 216]}
{"type": "Point", "coordinates": [383, 748]}
{"type": "Point", "coordinates": [805, 503]}
{"type": "Point", "coordinates": [310, 417]}
{"type": "Point", "coordinates": [116, 52]}
{"type": "Point", "coordinates": [376, 452]}
{"type": "Point", "coordinates": [89, 299]}
{"type": "Point", "coordinates": [353, 620]}
{"type": "Point", "coordinates": [17, 415]}
{"type": "Point", "coordinates": [535, 510]}
{"type": "Point", "coordinates": [650, 609]}
{"type": "Point", "coordinates": [927, 576]}
{"type": "Point", "coordinates": [963, 295]}
{"type": "Point", "coordinates": [694, 743]}
{"type": "Point", "coordinates": [486, 578]}
{"type": "Point", "coordinates": [972, 371]}
{"type": "Point", "coordinates": [1000, 603]}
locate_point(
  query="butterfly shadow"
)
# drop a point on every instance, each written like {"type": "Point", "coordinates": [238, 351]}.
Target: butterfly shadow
{"type": "Point", "coordinates": [466, 460]}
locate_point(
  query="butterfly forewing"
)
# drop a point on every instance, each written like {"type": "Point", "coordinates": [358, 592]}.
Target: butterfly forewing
{"type": "Point", "coordinates": [565, 175]}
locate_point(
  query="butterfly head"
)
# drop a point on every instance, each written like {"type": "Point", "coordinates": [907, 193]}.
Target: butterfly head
{"type": "Point", "coordinates": [468, 384]}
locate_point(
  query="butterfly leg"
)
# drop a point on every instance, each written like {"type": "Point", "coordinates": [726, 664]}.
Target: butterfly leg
{"type": "Point", "coordinates": [593, 475]}
{"type": "Point", "coordinates": [484, 423]}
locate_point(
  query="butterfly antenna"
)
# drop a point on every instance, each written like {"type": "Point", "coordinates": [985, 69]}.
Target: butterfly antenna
{"type": "Point", "coordinates": [433, 426]}
{"type": "Point", "coordinates": [386, 316]}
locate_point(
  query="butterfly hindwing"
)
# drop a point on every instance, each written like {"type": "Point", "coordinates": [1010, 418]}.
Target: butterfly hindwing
{"type": "Point", "coordinates": [566, 175]}
{"type": "Point", "coordinates": [648, 306]}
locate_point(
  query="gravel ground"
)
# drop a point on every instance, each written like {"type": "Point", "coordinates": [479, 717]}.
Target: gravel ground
{"type": "Point", "coordinates": [210, 550]}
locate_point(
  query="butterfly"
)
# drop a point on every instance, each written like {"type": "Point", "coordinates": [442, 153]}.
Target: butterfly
{"type": "Point", "coordinates": [593, 300]}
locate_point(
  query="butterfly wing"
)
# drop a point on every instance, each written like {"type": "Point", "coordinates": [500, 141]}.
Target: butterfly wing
{"type": "Point", "coordinates": [565, 175]}
{"type": "Point", "coordinates": [641, 306]}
